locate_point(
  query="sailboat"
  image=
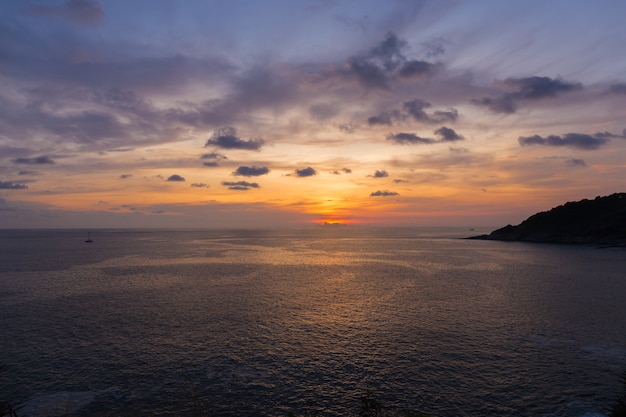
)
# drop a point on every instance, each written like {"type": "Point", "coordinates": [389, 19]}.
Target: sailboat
{"type": "Point", "coordinates": [88, 239]}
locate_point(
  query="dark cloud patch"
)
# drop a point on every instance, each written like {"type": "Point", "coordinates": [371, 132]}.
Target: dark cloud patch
{"type": "Point", "coordinates": [527, 88]}
{"type": "Point", "coordinates": [252, 171]}
{"type": "Point", "coordinates": [305, 172]}
{"type": "Point", "coordinates": [27, 172]}
{"type": "Point", "coordinates": [380, 174]}
{"type": "Point", "coordinates": [388, 53]}
{"type": "Point", "coordinates": [382, 119]}
{"type": "Point", "coordinates": [214, 159]}
{"type": "Point", "coordinates": [386, 61]}
{"type": "Point", "coordinates": [214, 155]}
{"type": "Point", "coordinates": [408, 139]}
{"type": "Point", "coordinates": [504, 104]}
{"type": "Point", "coordinates": [442, 116]}
{"type": "Point", "coordinates": [121, 150]}
{"type": "Point", "coordinates": [175, 178]}
{"type": "Point", "coordinates": [10, 185]}
{"type": "Point", "coordinates": [415, 68]}
{"type": "Point", "coordinates": [447, 135]}
{"type": "Point", "coordinates": [38, 160]}
{"type": "Point", "coordinates": [125, 176]}
{"type": "Point", "coordinates": [573, 140]}
{"type": "Point", "coordinates": [343, 170]}
{"type": "Point", "coordinates": [199, 185]}
{"type": "Point", "coordinates": [226, 138]}
{"type": "Point", "coordinates": [398, 180]}
{"type": "Point", "coordinates": [383, 193]}
{"type": "Point", "coordinates": [575, 163]}
{"type": "Point", "coordinates": [415, 109]}
{"type": "Point", "coordinates": [619, 88]}
{"type": "Point", "coordinates": [85, 12]}
{"type": "Point", "coordinates": [533, 88]}
{"type": "Point", "coordinates": [368, 74]}
{"type": "Point", "coordinates": [240, 185]}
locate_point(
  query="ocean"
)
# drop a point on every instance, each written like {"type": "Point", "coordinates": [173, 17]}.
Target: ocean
{"type": "Point", "coordinates": [308, 321]}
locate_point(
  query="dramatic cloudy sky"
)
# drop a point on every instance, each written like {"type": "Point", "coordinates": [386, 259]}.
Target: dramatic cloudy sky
{"type": "Point", "coordinates": [238, 113]}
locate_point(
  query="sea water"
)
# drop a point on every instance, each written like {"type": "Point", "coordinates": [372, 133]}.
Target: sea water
{"type": "Point", "coordinates": [272, 322]}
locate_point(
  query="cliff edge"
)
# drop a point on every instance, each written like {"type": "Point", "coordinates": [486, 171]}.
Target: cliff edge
{"type": "Point", "coordinates": [601, 221]}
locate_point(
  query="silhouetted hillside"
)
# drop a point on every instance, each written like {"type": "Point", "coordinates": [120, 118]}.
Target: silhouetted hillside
{"type": "Point", "coordinates": [598, 221]}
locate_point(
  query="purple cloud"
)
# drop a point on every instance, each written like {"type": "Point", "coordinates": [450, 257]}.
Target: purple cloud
{"type": "Point", "coordinates": [9, 185]}
{"type": "Point", "coordinates": [240, 185]}
{"type": "Point", "coordinates": [38, 160]}
{"type": "Point", "coordinates": [527, 88]}
{"type": "Point", "coordinates": [573, 140]}
{"type": "Point", "coordinates": [383, 193]}
{"type": "Point", "coordinates": [227, 138]}
{"type": "Point", "coordinates": [408, 139]}
{"type": "Point", "coordinates": [305, 172]}
{"type": "Point", "coordinates": [252, 171]}
{"type": "Point", "coordinates": [447, 135]}
{"type": "Point", "coordinates": [575, 163]}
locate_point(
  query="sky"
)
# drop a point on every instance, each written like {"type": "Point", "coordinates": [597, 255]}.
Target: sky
{"type": "Point", "coordinates": [215, 113]}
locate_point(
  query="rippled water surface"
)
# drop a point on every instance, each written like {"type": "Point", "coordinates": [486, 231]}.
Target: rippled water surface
{"type": "Point", "coordinates": [263, 323]}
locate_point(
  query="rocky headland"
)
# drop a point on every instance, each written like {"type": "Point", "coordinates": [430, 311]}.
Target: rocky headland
{"type": "Point", "coordinates": [601, 221]}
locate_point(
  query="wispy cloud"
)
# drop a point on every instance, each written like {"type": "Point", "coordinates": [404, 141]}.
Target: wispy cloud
{"type": "Point", "coordinates": [39, 160]}
{"type": "Point", "coordinates": [575, 163]}
{"type": "Point", "coordinates": [9, 185]}
{"type": "Point", "coordinates": [240, 185]}
{"type": "Point", "coordinates": [385, 193]}
{"type": "Point", "coordinates": [404, 138]}
{"type": "Point", "coordinates": [213, 159]}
